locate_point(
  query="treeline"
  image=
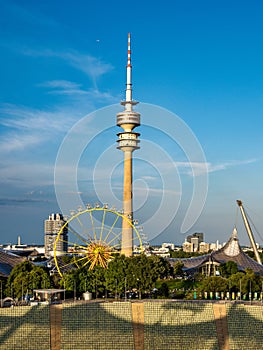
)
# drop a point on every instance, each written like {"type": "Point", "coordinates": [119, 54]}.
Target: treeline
{"type": "Point", "coordinates": [131, 274]}
{"type": "Point", "coordinates": [137, 276]}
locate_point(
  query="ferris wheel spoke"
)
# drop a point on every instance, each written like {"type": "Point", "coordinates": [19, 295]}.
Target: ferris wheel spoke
{"type": "Point", "coordinates": [74, 244]}
{"type": "Point", "coordinates": [111, 229]}
{"type": "Point", "coordinates": [79, 261]}
{"type": "Point", "coordinates": [84, 230]}
{"type": "Point", "coordinates": [62, 240]}
{"type": "Point", "coordinates": [76, 253]}
{"type": "Point", "coordinates": [79, 221]}
{"type": "Point", "coordinates": [116, 246]}
{"type": "Point", "coordinates": [74, 232]}
{"type": "Point", "coordinates": [65, 264]}
{"type": "Point", "coordinates": [115, 236]}
{"type": "Point", "coordinates": [82, 258]}
{"type": "Point", "coordinates": [112, 244]}
{"type": "Point", "coordinates": [86, 263]}
{"type": "Point", "coordinates": [102, 224]}
{"type": "Point", "coordinates": [92, 225]}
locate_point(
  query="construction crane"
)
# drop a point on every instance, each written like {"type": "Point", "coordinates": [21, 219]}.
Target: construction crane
{"type": "Point", "coordinates": [249, 231]}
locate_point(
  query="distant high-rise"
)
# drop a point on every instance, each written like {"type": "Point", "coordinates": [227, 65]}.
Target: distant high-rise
{"type": "Point", "coordinates": [197, 237]}
{"type": "Point", "coordinates": [128, 142]}
{"type": "Point", "coordinates": [52, 227]}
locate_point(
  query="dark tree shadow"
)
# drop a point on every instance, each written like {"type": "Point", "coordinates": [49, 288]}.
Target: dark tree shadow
{"type": "Point", "coordinates": [108, 326]}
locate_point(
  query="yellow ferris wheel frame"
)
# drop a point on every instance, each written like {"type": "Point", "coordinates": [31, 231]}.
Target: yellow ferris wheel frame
{"type": "Point", "coordinates": [98, 241]}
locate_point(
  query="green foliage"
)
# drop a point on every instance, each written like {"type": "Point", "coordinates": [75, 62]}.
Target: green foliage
{"type": "Point", "coordinates": [83, 280]}
{"type": "Point", "coordinates": [137, 273]}
{"type": "Point", "coordinates": [142, 274]}
{"type": "Point", "coordinates": [144, 271]}
{"type": "Point", "coordinates": [180, 254]}
{"type": "Point", "coordinates": [164, 290]}
{"type": "Point", "coordinates": [213, 284]}
{"type": "Point", "coordinates": [251, 254]}
{"type": "Point", "coordinates": [25, 277]}
{"type": "Point", "coordinates": [116, 275]}
{"type": "Point", "coordinates": [178, 269]}
{"type": "Point", "coordinates": [227, 269]}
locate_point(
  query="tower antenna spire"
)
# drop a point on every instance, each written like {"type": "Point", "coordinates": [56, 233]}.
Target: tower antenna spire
{"type": "Point", "coordinates": [129, 73]}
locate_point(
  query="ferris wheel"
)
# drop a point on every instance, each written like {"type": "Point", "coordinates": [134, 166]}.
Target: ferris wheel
{"type": "Point", "coordinates": [94, 237]}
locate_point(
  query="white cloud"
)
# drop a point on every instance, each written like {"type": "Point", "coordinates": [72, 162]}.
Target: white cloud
{"type": "Point", "coordinates": [90, 65]}
{"type": "Point", "coordinates": [140, 191]}
{"type": "Point", "coordinates": [26, 118]}
{"type": "Point", "coordinates": [69, 88]}
{"type": "Point", "coordinates": [26, 174]}
{"type": "Point", "coordinates": [148, 178]}
{"type": "Point", "coordinates": [199, 168]}
{"type": "Point", "coordinates": [63, 84]}
{"type": "Point", "coordinates": [14, 142]}
{"type": "Point", "coordinates": [26, 127]}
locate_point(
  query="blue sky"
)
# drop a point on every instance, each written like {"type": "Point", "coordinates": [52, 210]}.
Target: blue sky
{"type": "Point", "coordinates": [62, 68]}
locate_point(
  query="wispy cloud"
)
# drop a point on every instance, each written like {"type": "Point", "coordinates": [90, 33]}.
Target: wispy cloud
{"type": "Point", "coordinates": [148, 178]}
{"type": "Point", "coordinates": [26, 174]}
{"type": "Point", "coordinates": [60, 84]}
{"type": "Point", "coordinates": [199, 168]}
{"type": "Point", "coordinates": [90, 65]}
{"type": "Point", "coordinates": [14, 142]}
{"type": "Point", "coordinates": [26, 118]}
{"type": "Point", "coordinates": [64, 87]}
{"type": "Point", "coordinates": [26, 127]}
{"type": "Point", "coordinates": [69, 88]}
{"type": "Point", "coordinates": [21, 201]}
{"type": "Point", "coordinates": [140, 191]}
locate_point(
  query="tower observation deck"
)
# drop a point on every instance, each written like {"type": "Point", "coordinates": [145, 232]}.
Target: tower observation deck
{"type": "Point", "coordinates": [128, 142]}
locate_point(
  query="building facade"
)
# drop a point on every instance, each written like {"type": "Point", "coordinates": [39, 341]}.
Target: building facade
{"type": "Point", "coordinates": [52, 227]}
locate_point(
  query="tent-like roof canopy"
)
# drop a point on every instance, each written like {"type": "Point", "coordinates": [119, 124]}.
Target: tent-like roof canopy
{"type": "Point", "coordinates": [230, 252]}
{"type": "Point", "coordinates": [7, 262]}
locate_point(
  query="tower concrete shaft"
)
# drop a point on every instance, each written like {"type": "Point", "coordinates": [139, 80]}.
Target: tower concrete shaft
{"type": "Point", "coordinates": [128, 142]}
{"type": "Point", "coordinates": [127, 234]}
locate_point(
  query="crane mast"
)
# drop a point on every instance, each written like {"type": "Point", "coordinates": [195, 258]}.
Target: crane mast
{"type": "Point", "coordinates": [249, 231]}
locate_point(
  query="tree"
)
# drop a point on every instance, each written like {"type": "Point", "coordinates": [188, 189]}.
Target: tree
{"type": "Point", "coordinates": [143, 272]}
{"type": "Point", "coordinates": [178, 269]}
{"type": "Point", "coordinates": [227, 269]}
{"type": "Point", "coordinates": [164, 290]}
{"type": "Point", "coordinates": [83, 280]}
{"type": "Point", "coordinates": [116, 275]}
{"type": "Point", "coordinates": [161, 268]}
{"type": "Point", "coordinates": [25, 277]}
{"type": "Point", "coordinates": [214, 284]}
{"type": "Point", "coordinates": [251, 282]}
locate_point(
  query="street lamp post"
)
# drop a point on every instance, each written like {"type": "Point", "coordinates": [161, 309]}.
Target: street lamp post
{"type": "Point", "coordinates": [125, 296]}
{"type": "Point", "coordinates": [74, 290]}
{"type": "Point", "coordinates": [22, 291]}
{"type": "Point", "coordinates": [250, 295]}
{"type": "Point", "coordinates": [1, 293]}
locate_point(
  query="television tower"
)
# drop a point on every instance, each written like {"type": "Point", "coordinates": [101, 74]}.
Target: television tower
{"type": "Point", "coordinates": [128, 141]}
